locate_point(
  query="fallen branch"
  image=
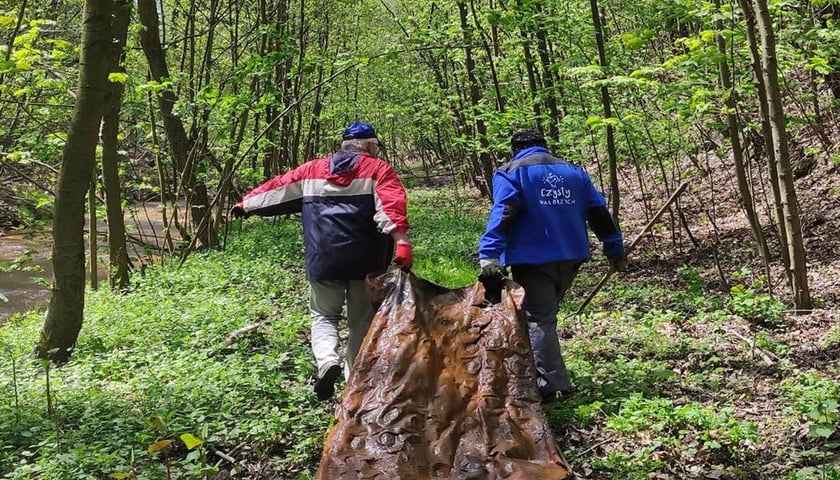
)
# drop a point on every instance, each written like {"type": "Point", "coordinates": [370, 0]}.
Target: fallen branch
{"type": "Point", "coordinates": [632, 245]}
{"type": "Point", "coordinates": [593, 447]}
{"type": "Point", "coordinates": [754, 348]}
{"type": "Point", "coordinates": [235, 335]}
{"type": "Point", "coordinates": [222, 455]}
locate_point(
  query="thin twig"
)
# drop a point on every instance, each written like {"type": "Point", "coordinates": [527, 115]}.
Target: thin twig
{"type": "Point", "coordinates": [764, 354]}
{"type": "Point", "coordinates": [593, 447]}
{"type": "Point", "coordinates": [223, 455]}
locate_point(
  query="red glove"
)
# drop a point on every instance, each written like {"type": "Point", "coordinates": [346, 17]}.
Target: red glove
{"type": "Point", "coordinates": [404, 257]}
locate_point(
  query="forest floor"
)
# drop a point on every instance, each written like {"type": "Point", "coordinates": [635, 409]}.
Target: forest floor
{"type": "Point", "coordinates": [767, 365]}
{"type": "Point", "coordinates": [683, 367]}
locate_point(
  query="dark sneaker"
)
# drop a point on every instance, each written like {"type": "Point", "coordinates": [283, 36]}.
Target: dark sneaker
{"type": "Point", "coordinates": [325, 385]}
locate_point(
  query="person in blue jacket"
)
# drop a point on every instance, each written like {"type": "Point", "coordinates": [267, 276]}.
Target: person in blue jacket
{"type": "Point", "coordinates": [537, 227]}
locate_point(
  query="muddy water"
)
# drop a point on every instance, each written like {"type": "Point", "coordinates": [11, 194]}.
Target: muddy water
{"type": "Point", "coordinates": [26, 285]}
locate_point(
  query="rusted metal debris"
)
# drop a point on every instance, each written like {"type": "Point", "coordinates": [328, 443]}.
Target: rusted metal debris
{"type": "Point", "coordinates": [443, 388]}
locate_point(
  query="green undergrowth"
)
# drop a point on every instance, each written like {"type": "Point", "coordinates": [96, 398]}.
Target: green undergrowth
{"type": "Point", "coordinates": [154, 391]}
{"type": "Point", "coordinates": [662, 384]}
{"type": "Point", "coordinates": [152, 371]}
{"type": "Point", "coordinates": [151, 366]}
{"type": "Point", "coordinates": [445, 230]}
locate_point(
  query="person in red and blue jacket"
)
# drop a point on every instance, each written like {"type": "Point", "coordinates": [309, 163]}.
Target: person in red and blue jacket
{"type": "Point", "coordinates": [537, 227]}
{"type": "Point", "coordinates": [353, 209]}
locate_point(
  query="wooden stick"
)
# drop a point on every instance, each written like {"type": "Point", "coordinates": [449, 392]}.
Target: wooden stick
{"type": "Point", "coordinates": [755, 349]}
{"type": "Point", "coordinates": [632, 245]}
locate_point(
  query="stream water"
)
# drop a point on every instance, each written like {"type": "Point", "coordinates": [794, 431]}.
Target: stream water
{"type": "Point", "coordinates": [27, 284]}
{"type": "Point", "coordinates": [26, 267]}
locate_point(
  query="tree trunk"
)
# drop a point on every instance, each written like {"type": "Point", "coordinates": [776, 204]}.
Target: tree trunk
{"type": "Point", "coordinates": [549, 83]}
{"type": "Point", "coordinates": [487, 167]}
{"type": "Point", "coordinates": [790, 207]}
{"type": "Point", "coordinates": [532, 76]}
{"type": "Point", "coordinates": [737, 149]}
{"type": "Point", "coordinates": [66, 310]}
{"type": "Point", "coordinates": [486, 42]}
{"type": "Point", "coordinates": [92, 246]}
{"type": "Point", "coordinates": [118, 252]}
{"type": "Point", "coordinates": [605, 100]}
{"type": "Point", "coordinates": [766, 131]}
{"type": "Point", "coordinates": [180, 145]}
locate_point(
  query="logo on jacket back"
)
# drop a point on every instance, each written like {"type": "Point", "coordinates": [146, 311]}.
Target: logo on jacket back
{"type": "Point", "coordinates": [554, 191]}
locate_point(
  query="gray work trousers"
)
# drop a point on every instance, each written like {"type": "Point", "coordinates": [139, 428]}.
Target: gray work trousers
{"type": "Point", "coordinates": [545, 285]}
{"type": "Point", "coordinates": [327, 300]}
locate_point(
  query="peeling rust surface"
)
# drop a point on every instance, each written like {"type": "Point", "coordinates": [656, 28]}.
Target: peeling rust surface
{"type": "Point", "coordinates": [443, 388]}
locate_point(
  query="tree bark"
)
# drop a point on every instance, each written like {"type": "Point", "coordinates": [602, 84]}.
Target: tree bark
{"type": "Point", "coordinates": [605, 100]}
{"type": "Point", "coordinates": [92, 244]}
{"type": "Point", "coordinates": [117, 248]}
{"type": "Point", "coordinates": [529, 69]}
{"type": "Point", "coordinates": [486, 41]}
{"type": "Point", "coordinates": [766, 130]}
{"type": "Point", "coordinates": [790, 208]}
{"type": "Point", "coordinates": [549, 83]}
{"type": "Point", "coordinates": [487, 167]}
{"type": "Point", "coordinates": [180, 145]}
{"type": "Point", "coordinates": [66, 310]}
{"type": "Point", "coordinates": [737, 149]}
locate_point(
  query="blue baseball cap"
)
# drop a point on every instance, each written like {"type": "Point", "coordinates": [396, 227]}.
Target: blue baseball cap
{"type": "Point", "coordinates": [358, 130]}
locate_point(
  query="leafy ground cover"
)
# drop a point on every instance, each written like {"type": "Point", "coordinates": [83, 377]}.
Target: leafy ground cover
{"type": "Point", "coordinates": [673, 379]}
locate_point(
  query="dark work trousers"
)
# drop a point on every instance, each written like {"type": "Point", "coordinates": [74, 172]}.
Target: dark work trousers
{"type": "Point", "coordinates": [545, 285]}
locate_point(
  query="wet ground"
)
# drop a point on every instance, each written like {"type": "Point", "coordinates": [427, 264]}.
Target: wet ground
{"type": "Point", "coordinates": [26, 266]}
{"type": "Point", "coordinates": [25, 272]}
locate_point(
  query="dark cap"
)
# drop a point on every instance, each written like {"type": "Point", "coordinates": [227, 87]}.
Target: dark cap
{"type": "Point", "coordinates": [526, 138]}
{"type": "Point", "coordinates": [358, 130]}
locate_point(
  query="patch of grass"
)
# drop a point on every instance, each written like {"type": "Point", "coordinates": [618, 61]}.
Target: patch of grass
{"type": "Point", "coordinates": [637, 464]}
{"type": "Point", "coordinates": [141, 372]}
{"type": "Point", "coordinates": [696, 427]}
{"type": "Point", "coordinates": [815, 400]}
{"type": "Point", "coordinates": [445, 231]}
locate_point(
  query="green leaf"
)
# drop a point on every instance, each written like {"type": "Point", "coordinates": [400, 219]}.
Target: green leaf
{"type": "Point", "coordinates": [117, 77]}
{"type": "Point", "coordinates": [120, 475]}
{"type": "Point", "coordinates": [594, 121]}
{"type": "Point", "coordinates": [821, 430]}
{"type": "Point", "coordinates": [708, 35]}
{"type": "Point", "coordinates": [805, 472]}
{"type": "Point", "coordinates": [3, 298]}
{"type": "Point", "coordinates": [191, 441]}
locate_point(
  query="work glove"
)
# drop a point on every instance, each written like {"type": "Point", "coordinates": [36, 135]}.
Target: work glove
{"type": "Point", "coordinates": [614, 251]}
{"type": "Point", "coordinates": [493, 277]}
{"type": "Point", "coordinates": [403, 256]}
{"type": "Point", "coordinates": [239, 212]}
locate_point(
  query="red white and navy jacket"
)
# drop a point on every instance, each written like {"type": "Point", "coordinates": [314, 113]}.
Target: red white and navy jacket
{"type": "Point", "coordinates": [349, 202]}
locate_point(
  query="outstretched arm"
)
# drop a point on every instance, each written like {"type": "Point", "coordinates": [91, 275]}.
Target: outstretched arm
{"type": "Point", "coordinates": [280, 195]}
